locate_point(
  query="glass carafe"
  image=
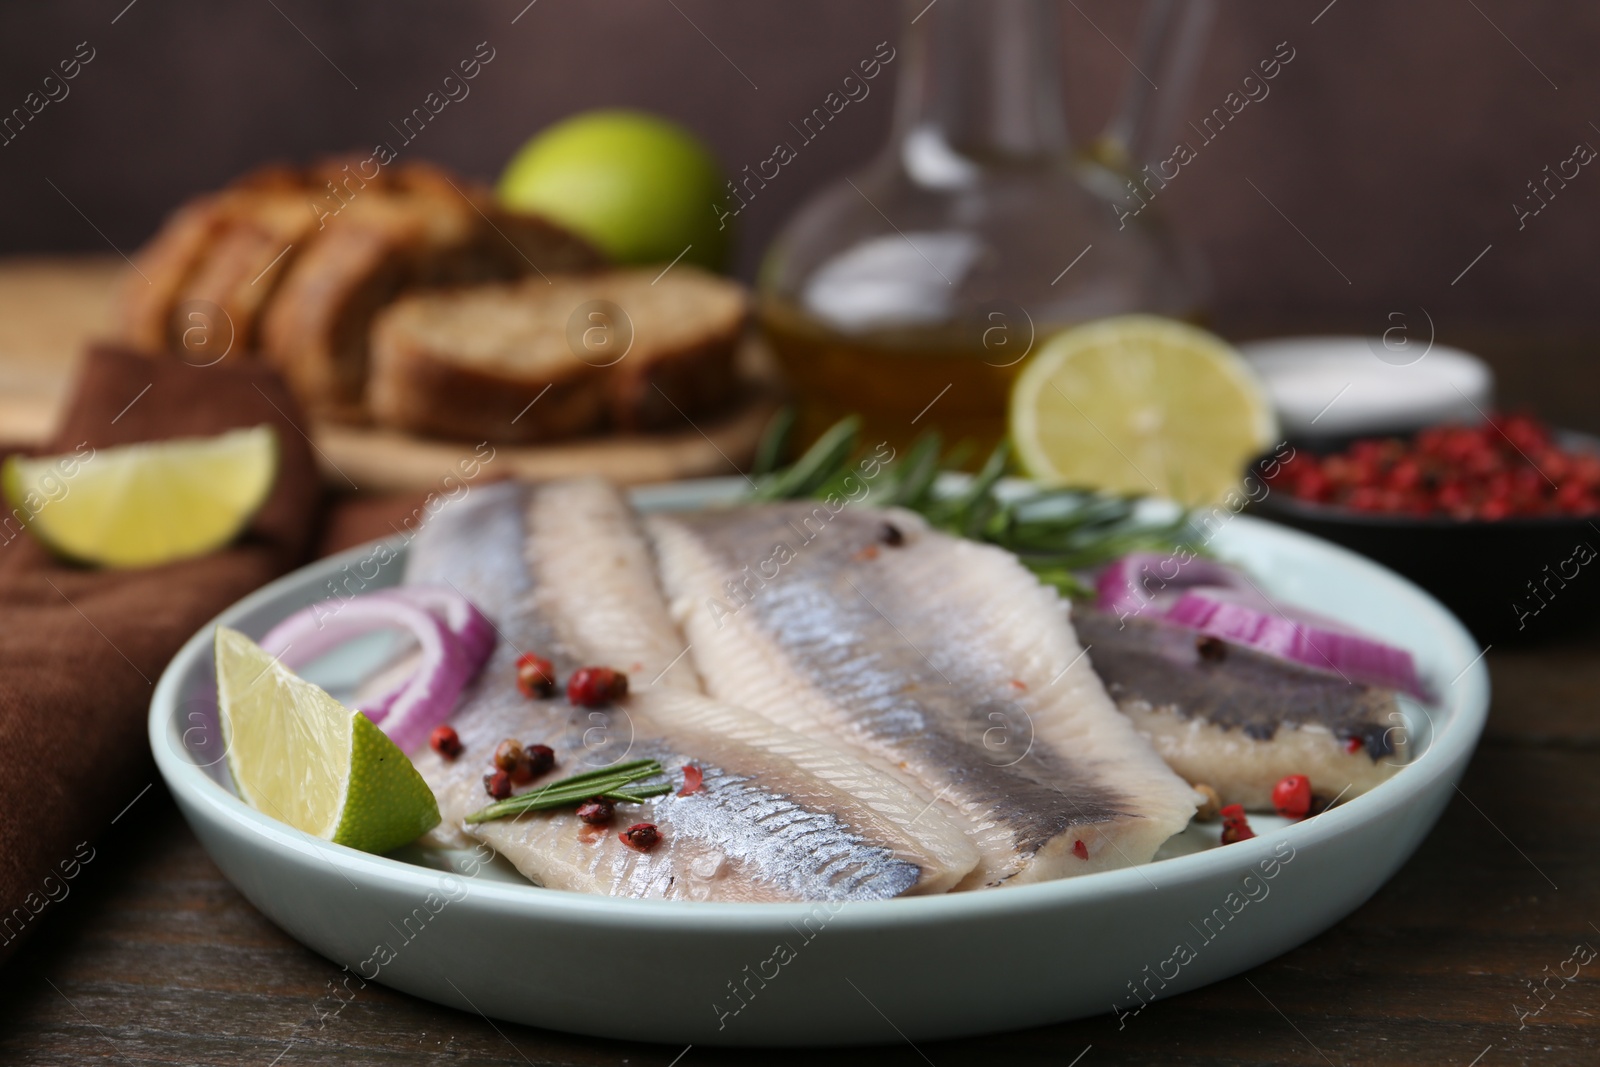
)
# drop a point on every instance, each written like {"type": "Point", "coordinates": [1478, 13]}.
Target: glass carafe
{"type": "Point", "coordinates": [910, 292]}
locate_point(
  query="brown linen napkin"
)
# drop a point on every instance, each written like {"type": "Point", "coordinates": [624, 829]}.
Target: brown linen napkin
{"type": "Point", "coordinates": [80, 649]}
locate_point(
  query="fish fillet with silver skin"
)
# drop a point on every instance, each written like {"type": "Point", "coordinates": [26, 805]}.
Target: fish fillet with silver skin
{"type": "Point", "coordinates": [563, 570]}
{"type": "Point", "coordinates": [937, 659]}
{"type": "Point", "coordinates": [1240, 720]}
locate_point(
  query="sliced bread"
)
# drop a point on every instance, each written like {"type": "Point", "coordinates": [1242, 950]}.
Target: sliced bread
{"type": "Point", "coordinates": [149, 317]}
{"type": "Point", "coordinates": [162, 268]}
{"type": "Point", "coordinates": [423, 231]}
{"type": "Point", "coordinates": [294, 262]}
{"type": "Point", "coordinates": [238, 273]}
{"type": "Point", "coordinates": [557, 356]}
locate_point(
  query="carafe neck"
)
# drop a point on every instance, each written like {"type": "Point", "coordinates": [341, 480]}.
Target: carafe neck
{"type": "Point", "coordinates": [982, 80]}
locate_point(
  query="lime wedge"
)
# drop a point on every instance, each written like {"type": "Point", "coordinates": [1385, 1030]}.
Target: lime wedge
{"type": "Point", "coordinates": [300, 756]}
{"type": "Point", "coordinates": [1140, 404]}
{"type": "Point", "coordinates": [140, 505]}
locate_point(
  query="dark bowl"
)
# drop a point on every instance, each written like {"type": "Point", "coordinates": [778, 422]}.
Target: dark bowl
{"type": "Point", "coordinates": [1510, 580]}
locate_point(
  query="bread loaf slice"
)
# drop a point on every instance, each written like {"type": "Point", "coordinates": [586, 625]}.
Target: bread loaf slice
{"type": "Point", "coordinates": [315, 331]}
{"type": "Point", "coordinates": [295, 261]}
{"type": "Point", "coordinates": [554, 357]}
{"type": "Point", "coordinates": [249, 255]}
{"type": "Point", "coordinates": [162, 267]}
{"type": "Point", "coordinates": [421, 231]}
{"type": "Point", "coordinates": [148, 314]}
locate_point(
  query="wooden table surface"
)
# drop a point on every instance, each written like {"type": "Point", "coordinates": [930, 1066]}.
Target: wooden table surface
{"type": "Point", "coordinates": [154, 958]}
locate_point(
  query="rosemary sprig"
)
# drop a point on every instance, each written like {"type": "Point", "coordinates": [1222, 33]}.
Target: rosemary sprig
{"type": "Point", "coordinates": [812, 471]}
{"type": "Point", "coordinates": [1056, 533]}
{"type": "Point", "coordinates": [774, 439]}
{"type": "Point", "coordinates": [912, 484]}
{"type": "Point", "coordinates": [612, 783]}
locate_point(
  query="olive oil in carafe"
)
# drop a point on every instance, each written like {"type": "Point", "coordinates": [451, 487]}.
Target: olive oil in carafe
{"type": "Point", "coordinates": [901, 381]}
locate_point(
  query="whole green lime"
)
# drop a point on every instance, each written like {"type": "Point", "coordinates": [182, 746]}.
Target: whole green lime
{"type": "Point", "coordinates": [641, 188]}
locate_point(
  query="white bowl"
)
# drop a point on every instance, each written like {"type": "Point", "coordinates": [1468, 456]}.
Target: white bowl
{"type": "Point", "coordinates": [921, 968]}
{"type": "Point", "coordinates": [1342, 386]}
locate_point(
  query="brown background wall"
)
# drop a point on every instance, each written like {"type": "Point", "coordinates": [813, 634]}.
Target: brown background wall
{"type": "Point", "coordinates": [1397, 140]}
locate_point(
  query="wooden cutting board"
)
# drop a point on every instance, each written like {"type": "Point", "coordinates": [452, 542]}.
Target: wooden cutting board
{"type": "Point", "coordinates": [51, 306]}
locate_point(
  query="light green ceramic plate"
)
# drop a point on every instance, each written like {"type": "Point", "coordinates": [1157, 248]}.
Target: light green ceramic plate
{"type": "Point", "coordinates": [468, 932]}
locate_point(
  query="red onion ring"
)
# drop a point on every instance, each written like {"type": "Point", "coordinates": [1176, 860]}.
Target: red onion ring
{"type": "Point", "coordinates": [448, 662]}
{"type": "Point", "coordinates": [1150, 582]}
{"type": "Point", "coordinates": [1302, 641]}
{"type": "Point", "coordinates": [469, 626]}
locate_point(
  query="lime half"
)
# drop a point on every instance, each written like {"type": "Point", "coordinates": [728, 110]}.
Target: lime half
{"type": "Point", "coordinates": [1140, 404]}
{"type": "Point", "coordinates": [300, 756]}
{"type": "Point", "coordinates": [140, 505]}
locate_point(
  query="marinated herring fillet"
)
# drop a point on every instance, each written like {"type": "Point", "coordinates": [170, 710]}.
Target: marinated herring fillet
{"type": "Point", "coordinates": [562, 570]}
{"type": "Point", "coordinates": [941, 661]}
{"type": "Point", "coordinates": [777, 817]}
{"type": "Point", "coordinates": [1238, 720]}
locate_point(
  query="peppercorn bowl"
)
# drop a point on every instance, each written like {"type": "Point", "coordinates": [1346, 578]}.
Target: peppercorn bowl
{"type": "Point", "coordinates": [459, 927]}
{"type": "Point", "coordinates": [1516, 578]}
